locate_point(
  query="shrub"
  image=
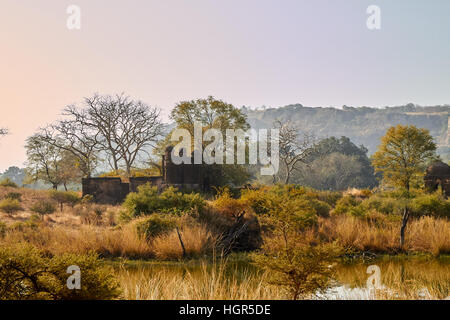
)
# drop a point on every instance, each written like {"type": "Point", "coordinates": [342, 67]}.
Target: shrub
{"type": "Point", "coordinates": [147, 201]}
{"type": "Point", "coordinates": [30, 224]}
{"type": "Point", "coordinates": [10, 206]}
{"type": "Point", "coordinates": [431, 205]}
{"type": "Point", "coordinates": [381, 204]}
{"type": "Point", "coordinates": [227, 205]}
{"type": "Point", "coordinates": [14, 196]}
{"type": "Point", "coordinates": [7, 182]}
{"type": "Point", "coordinates": [303, 270]}
{"type": "Point", "coordinates": [172, 199]}
{"type": "Point", "coordinates": [27, 273]}
{"type": "Point", "coordinates": [321, 208]}
{"type": "Point", "coordinates": [258, 200]}
{"type": "Point", "coordinates": [155, 225]}
{"type": "Point", "coordinates": [64, 197]}
{"type": "Point", "coordinates": [43, 207]}
{"type": "Point", "coordinates": [90, 213]}
{"type": "Point", "coordinates": [347, 204]}
{"type": "Point", "coordinates": [330, 197]}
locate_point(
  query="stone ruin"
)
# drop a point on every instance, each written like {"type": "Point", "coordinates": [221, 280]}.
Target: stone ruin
{"type": "Point", "coordinates": [109, 190]}
{"type": "Point", "coordinates": [438, 174]}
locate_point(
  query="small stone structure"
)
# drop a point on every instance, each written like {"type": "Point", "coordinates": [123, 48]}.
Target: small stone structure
{"type": "Point", "coordinates": [107, 190]}
{"type": "Point", "coordinates": [438, 174]}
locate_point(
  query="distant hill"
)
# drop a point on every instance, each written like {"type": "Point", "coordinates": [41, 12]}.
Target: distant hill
{"type": "Point", "coordinates": [363, 125]}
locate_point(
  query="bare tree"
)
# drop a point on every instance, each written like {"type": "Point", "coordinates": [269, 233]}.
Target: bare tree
{"type": "Point", "coordinates": [295, 146]}
{"type": "Point", "coordinates": [75, 137]}
{"type": "Point", "coordinates": [124, 128]}
{"type": "Point", "coordinates": [3, 131]}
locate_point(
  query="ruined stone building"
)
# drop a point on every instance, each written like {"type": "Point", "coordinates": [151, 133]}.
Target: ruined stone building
{"type": "Point", "coordinates": [109, 190]}
{"type": "Point", "coordinates": [438, 174]}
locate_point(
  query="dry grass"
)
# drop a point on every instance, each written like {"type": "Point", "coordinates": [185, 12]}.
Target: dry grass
{"type": "Point", "coordinates": [196, 239]}
{"type": "Point", "coordinates": [107, 242]}
{"type": "Point", "coordinates": [209, 283]}
{"type": "Point", "coordinates": [121, 241]}
{"type": "Point", "coordinates": [426, 234]}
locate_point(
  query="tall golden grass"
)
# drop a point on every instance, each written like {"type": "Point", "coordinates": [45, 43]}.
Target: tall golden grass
{"type": "Point", "coordinates": [197, 240]}
{"type": "Point", "coordinates": [426, 234]}
{"type": "Point", "coordinates": [211, 282]}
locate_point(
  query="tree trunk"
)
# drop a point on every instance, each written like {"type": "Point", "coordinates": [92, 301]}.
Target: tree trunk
{"type": "Point", "coordinates": [288, 176]}
{"type": "Point", "coordinates": [403, 228]}
{"type": "Point", "coordinates": [181, 242]}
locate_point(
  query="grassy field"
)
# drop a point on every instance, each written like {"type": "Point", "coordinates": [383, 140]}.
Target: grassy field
{"type": "Point", "coordinates": [161, 270]}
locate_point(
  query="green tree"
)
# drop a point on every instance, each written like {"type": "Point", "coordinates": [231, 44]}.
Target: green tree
{"type": "Point", "coordinates": [402, 157]}
{"type": "Point", "coordinates": [29, 274]}
{"type": "Point", "coordinates": [211, 114]}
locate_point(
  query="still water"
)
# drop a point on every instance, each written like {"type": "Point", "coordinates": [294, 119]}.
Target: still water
{"type": "Point", "coordinates": [382, 278]}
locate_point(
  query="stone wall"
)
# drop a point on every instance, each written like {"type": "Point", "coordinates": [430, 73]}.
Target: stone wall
{"type": "Point", "coordinates": [184, 176]}
{"type": "Point", "coordinates": [135, 182]}
{"type": "Point", "coordinates": [106, 190]}
{"type": "Point", "coordinates": [438, 174]}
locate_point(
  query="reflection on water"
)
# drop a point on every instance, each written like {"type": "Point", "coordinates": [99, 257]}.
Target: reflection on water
{"type": "Point", "coordinates": [399, 278]}
{"type": "Point", "coordinates": [395, 277]}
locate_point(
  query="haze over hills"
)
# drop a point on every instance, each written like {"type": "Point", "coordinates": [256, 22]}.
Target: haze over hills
{"type": "Point", "coordinates": [363, 125]}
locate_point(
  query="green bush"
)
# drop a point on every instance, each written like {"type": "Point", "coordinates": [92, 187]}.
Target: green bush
{"type": "Point", "coordinates": [7, 182]}
{"type": "Point", "coordinates": [258, 200]}
{"type": "Point", "coordinates": [321, 208]}
{"type": "Point", "coordinates": [10, 206]}
{"type": "Point", "coordinates": [43, 207]}
{"type": "Point", "coordinates": [348, 205]}
{"type": "Point", "coordinates": [330, 197]}
{"type": "Point", "coordinates": [155, 225]}
{"type": "Point", "coordinates": [29, 274]}
{"type": "Point", "coordinates": [65, 197]}
{"type": "Point", "coordinates": [148, 201]}
{"type": "Point", "coordinates": [14, 196]}
{"type": "Point", "coordinates": [383, 205]}
{"type": "Point", "coordinates": [431, 205]}
{"type": "Point", "coordinates": [30, 224]}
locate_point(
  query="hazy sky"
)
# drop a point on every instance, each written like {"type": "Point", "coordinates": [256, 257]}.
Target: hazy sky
{"type": "Point", "coordinates": [247, 52]}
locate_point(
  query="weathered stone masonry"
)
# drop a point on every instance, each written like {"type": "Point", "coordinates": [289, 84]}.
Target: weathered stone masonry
{"type": "Point", "coordinates": [184, 176]}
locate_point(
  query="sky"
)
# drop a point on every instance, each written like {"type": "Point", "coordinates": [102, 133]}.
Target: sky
{"type": "Point", "coordinates": [245, 52]}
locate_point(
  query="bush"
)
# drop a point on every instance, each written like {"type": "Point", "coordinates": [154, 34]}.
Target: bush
{"type": "Point", "coordinates": [330, 197]}
{"type": "Point", "coordinates": [349, 205]}
{"type": "Point", "coordinates": [155, 225]}
{"type": "Point", "coordinates": [227, 205]}
{"type": "Point", "coordinates": [304, 270]}
{"type": "Point", "coordinates": [43, 207]}
{"type": "Point", "coordinates": [321, 208]}
{"type": "Point", "coordinates": [10, 206]}
{"type": "Point", "coordinates": [381, 204]}
{"type": "Point", "coordinates": [30, 224]}
{"type": "Point", "coordinates": [431, 205]}
{"type": "Point", "coordinates": [258, 200]}
{"type": "Point", "coordinates": [14, 196]}
{"type": "Point", "coordinates": [148, 201]}
{"type": "Point", "coordinates": [64, 197]}
{"type": "Point", "coordinates": [7, 182]}
{"type": "Point", "coordinates": [28, 274]}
